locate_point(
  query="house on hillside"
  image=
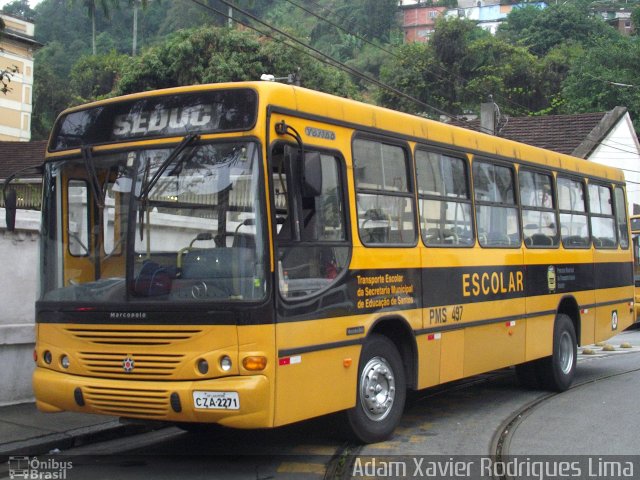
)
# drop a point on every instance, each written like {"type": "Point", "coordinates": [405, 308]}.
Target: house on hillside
{"type": "Point", "coordinates": [608, 138]}
{"type": "Point", "coordinates": [618, 17]}
{"type": "Point", "coordinates": [17, 47]}
{"type": "Point", "coordinates": [419, 16]}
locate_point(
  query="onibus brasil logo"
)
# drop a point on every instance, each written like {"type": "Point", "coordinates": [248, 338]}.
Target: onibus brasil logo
{"type": "Point", "coordinates": [36, 469]}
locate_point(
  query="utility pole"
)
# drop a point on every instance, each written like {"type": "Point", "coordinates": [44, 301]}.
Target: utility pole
{"type": "Point", "coordinates": [135, 28]}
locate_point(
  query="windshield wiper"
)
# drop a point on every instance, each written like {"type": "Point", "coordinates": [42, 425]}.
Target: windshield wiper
{"type": "Point", "coordinates": [94, 182]}
{"type": "Point", "coordinates": [189, 139]}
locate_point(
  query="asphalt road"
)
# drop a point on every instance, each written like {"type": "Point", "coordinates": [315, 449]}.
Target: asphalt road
{"type": "Point", "coordinates": [599, 416]}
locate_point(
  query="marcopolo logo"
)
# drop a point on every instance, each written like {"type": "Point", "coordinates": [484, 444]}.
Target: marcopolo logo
{"type": "Point", "coordinates": [37, 469]}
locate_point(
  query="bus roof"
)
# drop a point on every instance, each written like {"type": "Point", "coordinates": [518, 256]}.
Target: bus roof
{"type": "Point", "coordinates": [355, 114]}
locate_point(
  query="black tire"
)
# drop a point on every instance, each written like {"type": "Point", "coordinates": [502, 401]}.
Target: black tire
{"type": "Point", "coordinates": [557, 371]}
{"type": "Point", "coordinates": [527, 375]}
{"type": "Point", "coordinates": [375, 417]}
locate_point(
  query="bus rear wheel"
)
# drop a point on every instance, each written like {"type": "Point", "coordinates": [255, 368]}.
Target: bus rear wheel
{"type": "Point", "coordinates": [381, 391]}
{"type": "Point", "coordinates": [557, 371]}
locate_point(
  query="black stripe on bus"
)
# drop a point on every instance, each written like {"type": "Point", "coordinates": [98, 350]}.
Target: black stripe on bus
{"type": "Point", "coordinates": [288, 352]}
{"type": "Point", "coordinates": [437, 329]}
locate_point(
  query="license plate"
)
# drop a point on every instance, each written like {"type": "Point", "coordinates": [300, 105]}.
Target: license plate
{"type": "Point", "coordinates": [216, 400]}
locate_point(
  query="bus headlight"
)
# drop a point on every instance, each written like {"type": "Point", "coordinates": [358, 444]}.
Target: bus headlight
{"type": "Point", "coordinates": [64, 361]}
{"type": "Point", "coordinates": [225, 363]}
{"type": "Point", "coordinates": [203, 366]}
{"type": "Point", "coordinates": [46, 356]}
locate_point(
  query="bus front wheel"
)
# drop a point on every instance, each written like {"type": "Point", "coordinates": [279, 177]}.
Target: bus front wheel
{"type": "Point", "coordinates": [381, 391]}
{"type": "Point", "coordinates": [557, 371]}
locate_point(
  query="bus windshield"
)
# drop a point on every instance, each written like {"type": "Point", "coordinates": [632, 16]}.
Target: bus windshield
{"type": "Point", "coordinates": [162, 224]}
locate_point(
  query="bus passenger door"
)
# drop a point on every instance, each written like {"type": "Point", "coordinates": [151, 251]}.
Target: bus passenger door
{"type": "Point", "coordinates": [311, 258]}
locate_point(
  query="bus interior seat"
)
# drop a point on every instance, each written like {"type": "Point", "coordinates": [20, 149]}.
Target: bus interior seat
{"type": "Point", "coordinates": [575, 241]}
{"type": "Point", "coordinates": [218, 263]}
{"type": "Point", "coordinates": [539, 240]}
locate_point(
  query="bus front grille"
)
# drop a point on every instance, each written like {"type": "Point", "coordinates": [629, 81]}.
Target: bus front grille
{"type": "Point", "coordinates": [130, 364]}
{"type": "Point", "coordinates": [138, 337]}
{"type": "Point", "coordinates": [128, 401]}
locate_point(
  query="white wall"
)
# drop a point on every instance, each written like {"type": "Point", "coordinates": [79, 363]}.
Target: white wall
{"type": "Point", "coordinates": [621, 149]}
{"type": "Point", "coordinates": [19, 252]}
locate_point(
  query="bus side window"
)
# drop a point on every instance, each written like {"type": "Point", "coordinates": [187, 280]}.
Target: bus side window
{"type": "Point", "coordinates": [574, 228]}
{"type": "Point", "coordinates": [621, 218]}
{"type": "Point", "coordinates": [444, 200]}
{"type": "Point", "coordinates": [601, 216]}
{"type": "Point", "coordinates": [496, 208]}
{"type": "Point", "coordinates": [383, 194]}
{"type": "Point", "coordinates": [539, 224]}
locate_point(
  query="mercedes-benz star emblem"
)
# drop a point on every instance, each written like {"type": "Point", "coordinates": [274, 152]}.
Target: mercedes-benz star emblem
{"type": "Point", "coordinates": [128, 364]}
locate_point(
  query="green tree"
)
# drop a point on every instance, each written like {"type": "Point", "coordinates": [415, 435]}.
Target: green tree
{"type": "Point", "coordinates": [605, 76]}
{"type": "Point", "coordinates": [412, 70]}
{"type": "Point", "coordinates": [19, 8]}
{"type": "Point", "coordinates": [540, 30]}
{"type": "Point", "coordinates": [51, 92]}
{"type": "Point", "coordinates": [635, 20]}
{"type": "Point", "coordinates": [92, 7]}
{"type": "Point", "coordinates": [451, 43]}
{"type": "Point", "coordinates": [95, 76]}
{"type": "Point", "coordinates": [210, 54]}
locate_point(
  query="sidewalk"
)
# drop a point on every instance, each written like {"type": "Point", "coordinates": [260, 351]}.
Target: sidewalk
{"type": "Point", "coordinates": [26, 431]}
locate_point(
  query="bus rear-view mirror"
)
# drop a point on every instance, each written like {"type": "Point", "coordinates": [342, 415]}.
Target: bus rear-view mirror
{"type": "Point", "coordinates": [311, 175]}
{"type": "Point", "coordinates": [10, 205]}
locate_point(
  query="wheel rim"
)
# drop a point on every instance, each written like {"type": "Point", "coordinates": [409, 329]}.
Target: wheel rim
{"type": "Point", "coordinates": [377, 388]}
{"type": "Point", "coordinates": [566, 353]}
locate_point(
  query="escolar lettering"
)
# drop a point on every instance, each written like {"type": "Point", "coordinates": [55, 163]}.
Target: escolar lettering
{"type": "Point", "coordinates": [491, 283]}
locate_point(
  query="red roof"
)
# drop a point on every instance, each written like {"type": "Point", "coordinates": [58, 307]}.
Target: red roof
{"type": "Point", "coordinates": [575, 134]}
{"type": "Point", "coordinates": [15, 156]}
{"type": "Point", "coordinates": [560, 133]}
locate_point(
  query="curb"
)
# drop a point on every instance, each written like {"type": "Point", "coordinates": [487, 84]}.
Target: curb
{"type": "Point", "coordinates": [70, 439]}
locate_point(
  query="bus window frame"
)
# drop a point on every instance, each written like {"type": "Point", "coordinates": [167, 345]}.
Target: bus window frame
{"type": "Point", "coordinates": [88, 221]}
{"type": "Point", "coordinates": [582, 181]}
{"type": "Point", "coordinates": [554, 209]}
{"type": "Point", "coordinates": [421, 196]}
{"type": "Point", "coordinates": [347, 242]}
{"type": "Point", "coordinates": [599, 215]}
{"type": "Point", "coordinates": [410, 193]}
{"type": "Point", "coordinates": [625, 211]}
{"type": "Point", "coordinates": [511, 165]}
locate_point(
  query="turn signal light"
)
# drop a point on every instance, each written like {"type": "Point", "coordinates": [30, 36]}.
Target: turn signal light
{"type": "Point", "coordinates": [254, 364]}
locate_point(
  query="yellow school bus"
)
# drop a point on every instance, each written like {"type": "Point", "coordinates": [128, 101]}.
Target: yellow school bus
{"type": "Point", "coordinates": [256, 254]}
{"type": "Point", "coordinates": [635, 241]}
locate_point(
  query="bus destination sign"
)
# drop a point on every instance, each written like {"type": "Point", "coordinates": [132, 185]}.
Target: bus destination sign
{"type": "Point", "coordinates": [157, 116]}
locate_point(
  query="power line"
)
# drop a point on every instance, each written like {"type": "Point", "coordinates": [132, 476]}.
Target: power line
{"type": "Point", "coordinates": [327, 59]}
{"type": "Point", "coordinates": [389, 52]}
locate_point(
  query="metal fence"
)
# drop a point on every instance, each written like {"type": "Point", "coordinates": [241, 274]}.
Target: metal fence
{"type": "Point", "coordinates": [29, 195]}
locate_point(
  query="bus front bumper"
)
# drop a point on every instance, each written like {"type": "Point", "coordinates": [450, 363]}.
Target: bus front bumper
{"type": "Point", "coordinates": [249, 404]}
